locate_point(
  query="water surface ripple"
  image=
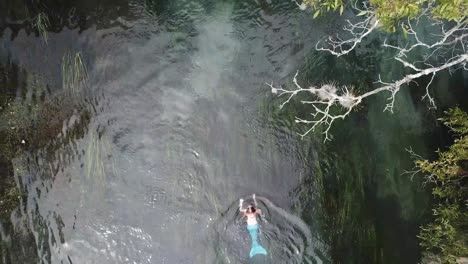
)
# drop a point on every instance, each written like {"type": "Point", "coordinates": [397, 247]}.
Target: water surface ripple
{"type": "Point", "coordinates": [172, 138]}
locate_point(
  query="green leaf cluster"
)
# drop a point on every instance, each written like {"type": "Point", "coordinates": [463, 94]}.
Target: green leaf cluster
{"type": "Point", "coordinates": [324, 6]}
{"type": "Point", "coordinates": [452, 10]}
{"type": "Point", "coordinates": [447, 235]}
{"type": "Point", "coordinates": [392, 12]}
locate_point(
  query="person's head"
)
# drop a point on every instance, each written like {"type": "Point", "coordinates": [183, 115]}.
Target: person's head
{"type": "Point", "coordinates": [251, 208]}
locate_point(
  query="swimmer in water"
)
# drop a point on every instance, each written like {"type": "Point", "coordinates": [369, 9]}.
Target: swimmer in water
{"type": "Point", "coordinates": [250, 214]}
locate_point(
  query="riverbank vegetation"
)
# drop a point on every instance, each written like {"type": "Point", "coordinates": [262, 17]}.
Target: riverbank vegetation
{"type": "Point", "coordinates": [447, 234]}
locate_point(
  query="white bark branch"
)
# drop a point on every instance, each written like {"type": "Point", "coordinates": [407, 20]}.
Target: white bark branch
{"type": "Point", "coordinates": [344, 100]}
{"type": "Point", "coordinates": [359, 31]}
{"type": "Point", "coordinates": [329, 103]}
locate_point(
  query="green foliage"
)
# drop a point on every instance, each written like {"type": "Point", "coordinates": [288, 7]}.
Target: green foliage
{"type": "Point", "coordinates": [457, 121]}
{"type": "Point", "coordinates": [452, 10]}
{"type": "Point", "coordinates": [447, 235]}
{"type": "Point", "coordinates": [392, 12]}
{"type": "Point", "coordinates": [323, 6]}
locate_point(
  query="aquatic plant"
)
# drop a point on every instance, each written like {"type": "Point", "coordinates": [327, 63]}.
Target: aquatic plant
{"type": "Point", "coordinates": [447, 235]}
{"type": "Point", "coordinates": [98, 151]}
{"type": "Point", "coordinates": [74, 71]}
{"type": "Point", "coordinates": [42, 25]}
{"type": "Point", "coordinates": [150, 8]}
{"type": "Point", "coordinates": [94, 162]}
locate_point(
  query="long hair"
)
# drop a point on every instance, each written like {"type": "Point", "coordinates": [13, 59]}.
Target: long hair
{"type": "Point", "coordinates": [251, 208]}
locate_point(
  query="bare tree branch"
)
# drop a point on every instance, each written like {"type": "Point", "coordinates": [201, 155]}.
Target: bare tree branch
{"type": "Point", "coordinates": [328, 95]}
{"type": "Point", "coordinates": [329, 103]}
{"type": "Point", "coordinates": [359, 31]}
{"type": "Point", "coordinates": [416, 170]}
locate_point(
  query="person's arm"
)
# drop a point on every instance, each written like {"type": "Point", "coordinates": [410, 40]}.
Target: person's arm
{"type": "Point", "coordinates": [241, 202]}
{"type": "Point", "coordinates": [257, 211]}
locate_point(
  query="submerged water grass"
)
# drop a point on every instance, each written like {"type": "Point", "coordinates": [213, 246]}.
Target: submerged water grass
{"type": "Point", "coordinates": [149, 8]}
{"type": "Point", "coordinates": [42, 25]}
{"type": "Point", "coordinates": [74, 71]}
{"type": "Point", "coordinates": [98, 150]}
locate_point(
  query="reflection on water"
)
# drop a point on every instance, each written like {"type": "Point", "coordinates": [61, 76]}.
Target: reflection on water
{"type": "Point", "coordinates": [141, 124]}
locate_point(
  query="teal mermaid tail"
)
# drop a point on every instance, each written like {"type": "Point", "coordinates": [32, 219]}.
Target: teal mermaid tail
{"type": "Point", "coordinates": [256, 248]}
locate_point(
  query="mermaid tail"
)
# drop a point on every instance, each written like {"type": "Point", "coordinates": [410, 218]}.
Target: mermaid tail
{"type": "Point", "coordinates": [256, 248]}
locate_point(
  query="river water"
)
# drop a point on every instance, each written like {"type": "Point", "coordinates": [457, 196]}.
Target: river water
{"type": "Point", "coordinates": [144, 159]}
